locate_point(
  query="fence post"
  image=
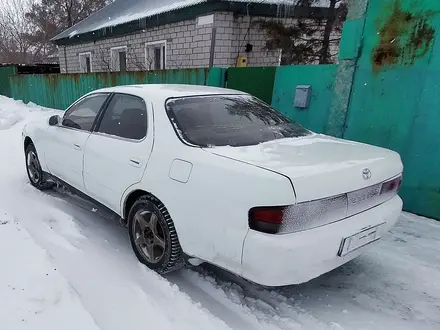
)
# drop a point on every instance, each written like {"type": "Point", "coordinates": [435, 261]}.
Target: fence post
{"type": "Point", "coordinates": [349, 52]}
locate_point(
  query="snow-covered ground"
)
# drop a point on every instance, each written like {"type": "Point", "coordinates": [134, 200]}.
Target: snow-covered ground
{"type": "Point", "coordinates": [66, 265]}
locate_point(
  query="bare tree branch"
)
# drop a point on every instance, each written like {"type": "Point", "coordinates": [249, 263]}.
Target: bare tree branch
{"type": "Point", "coordinates": [133, 60]}
{"type": "Point", "coordinates": [306, 41]}
{"type": "Point", "coordinates": [103, 59]}
{"type": "Point", "coordinates": [14, 44]}
{"type": "Point", "coordinates": [47, 18]}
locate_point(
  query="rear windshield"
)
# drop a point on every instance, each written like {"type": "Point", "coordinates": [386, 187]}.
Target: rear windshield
{"type": "Point", "coordinates": [229, 120]}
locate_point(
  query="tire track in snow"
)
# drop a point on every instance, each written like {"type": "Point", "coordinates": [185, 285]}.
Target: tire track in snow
{"type": "Point", "coordinates": [246, 309]}
{"type": "Point", "coordinates": [103, 271]}
{"type": "Point", "coordinates": [238, 303]}
{"type": "Point", "coordinates": [34, 293]}
{"type": "Point", "coordinates": [269, 308]}
{"type": "Point", "coordinates": [235, 315]}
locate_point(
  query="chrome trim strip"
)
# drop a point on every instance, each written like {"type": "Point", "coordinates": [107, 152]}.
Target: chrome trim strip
{"type": "Point", "coordinates": [314, 214]}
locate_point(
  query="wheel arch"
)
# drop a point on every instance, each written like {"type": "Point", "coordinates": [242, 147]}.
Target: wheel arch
{"type": "Point", "coordinates": [131, 198]}
{"type": "Point", "coordinates": [137, 192]}
{"type": "Point", "coordinates": [174, 255]}
{"type": "Point", "coordinates": [27, 141]}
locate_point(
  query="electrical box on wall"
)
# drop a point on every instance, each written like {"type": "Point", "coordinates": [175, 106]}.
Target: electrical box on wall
{"type": "Point", "coordinates": [303, 95]}
{"type": "Point", "coordinates": [241, 61]}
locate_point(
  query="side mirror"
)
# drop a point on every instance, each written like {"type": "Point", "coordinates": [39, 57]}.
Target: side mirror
{"type": "Point", "coordinates": [54, 120]}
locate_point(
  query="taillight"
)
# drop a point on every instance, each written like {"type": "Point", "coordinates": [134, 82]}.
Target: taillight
{"type": "Point", "coordinates": [391, 186]}
{"type": "Point", "coordinates": [266, 219]}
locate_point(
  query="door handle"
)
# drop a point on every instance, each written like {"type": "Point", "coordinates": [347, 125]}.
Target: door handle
{"type": "Point", "coordinates": [77, 147]}
{"type": "Point", "coordinates": [136, 162]}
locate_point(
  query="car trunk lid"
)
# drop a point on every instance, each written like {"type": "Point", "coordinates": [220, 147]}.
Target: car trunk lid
{"type": "Point", "coordinates": [319, 166]}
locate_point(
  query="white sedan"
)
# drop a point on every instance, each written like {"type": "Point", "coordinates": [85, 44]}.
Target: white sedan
{"type": "Point", "coordinates": [202, 174]}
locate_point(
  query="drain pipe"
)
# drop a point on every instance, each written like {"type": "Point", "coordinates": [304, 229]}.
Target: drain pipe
{"type": "Point", "coordinates": [211, 53]}
{"type": "Point", "coordinates": [65, 59]}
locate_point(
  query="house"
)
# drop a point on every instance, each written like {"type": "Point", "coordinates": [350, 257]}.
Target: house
{"type": "Point", "coordinates": [134, 35]}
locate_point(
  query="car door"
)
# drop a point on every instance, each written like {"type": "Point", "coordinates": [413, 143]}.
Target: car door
{"type": "Point", "coordinates": [118, 149]}
{"type": "Point", "coordinates": [66, 142]}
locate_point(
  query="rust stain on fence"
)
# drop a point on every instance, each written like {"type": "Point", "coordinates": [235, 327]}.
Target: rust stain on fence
{"type": "Point", "coordinates": [404, 37]}
{"type": "Point", "coordinates": [139, 77]}
{"type": "Point", "coordinates": [51, 80]}
{"type": "Point", "coordinates": [75, 78]}
{"type": "Point", "coordinates": [205, 75]}
{"type": "Point", "coordinates": [60, 90]}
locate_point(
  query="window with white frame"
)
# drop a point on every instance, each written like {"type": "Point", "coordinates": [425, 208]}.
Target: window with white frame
{"type": "Point", "coordinates": [85, 62]}
{"type": "Point", "coordinates": [155, 55]}
{"type": "Point", "coordinates": [118, 57]}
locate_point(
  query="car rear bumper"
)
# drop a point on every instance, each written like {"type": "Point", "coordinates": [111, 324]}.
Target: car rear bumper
{"type": "Point", "coordinates": [276, 260]}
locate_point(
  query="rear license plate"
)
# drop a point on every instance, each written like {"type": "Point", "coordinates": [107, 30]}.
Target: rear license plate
{"type": "Point", "coordinates": [356, 241]}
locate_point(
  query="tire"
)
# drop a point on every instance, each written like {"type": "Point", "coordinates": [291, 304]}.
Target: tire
{"type": "Point", "coordinates": [154, 240]}
{"type": "Point", "coordinates": [35, 174]}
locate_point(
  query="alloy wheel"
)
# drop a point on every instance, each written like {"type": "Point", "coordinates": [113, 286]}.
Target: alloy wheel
{"type": "Point", "coordinates": [149, 236]}
{"type": "Point", "coordinates": [33, 167]}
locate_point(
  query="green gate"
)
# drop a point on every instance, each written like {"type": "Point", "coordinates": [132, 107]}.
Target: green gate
{"type": "Point", "coordinates": [257, 81]}
{"type": "Point", "coordinates": [395, 99]}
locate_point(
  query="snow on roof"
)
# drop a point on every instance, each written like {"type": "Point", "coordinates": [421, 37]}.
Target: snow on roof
{"type": "Point", "coordinates": [123, 11]}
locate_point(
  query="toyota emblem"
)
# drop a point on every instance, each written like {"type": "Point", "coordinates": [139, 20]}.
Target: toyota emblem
{"type": "Point", "coordinates": [366, 173]}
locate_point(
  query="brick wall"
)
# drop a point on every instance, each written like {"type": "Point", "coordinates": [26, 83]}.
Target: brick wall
{"type": "Point", "coordinates": [224, 38]}
{"type": "Point", "coordinates": [188, 45]}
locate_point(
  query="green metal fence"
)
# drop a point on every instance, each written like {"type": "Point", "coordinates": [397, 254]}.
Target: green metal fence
{"type": "Point", "coordinates": [58, 91]}
{"type": "Point", "coordinates": [5, 72]}
{"type": "Point", "coordinates": [257, 81]}
{"type": "Point", "coordinates": [395, 98]}
{"type": "Point", "coordinates": [321, 78]}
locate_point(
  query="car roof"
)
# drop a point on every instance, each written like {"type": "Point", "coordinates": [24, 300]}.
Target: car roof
{"type": "Point", "coordinates": [165, 91]}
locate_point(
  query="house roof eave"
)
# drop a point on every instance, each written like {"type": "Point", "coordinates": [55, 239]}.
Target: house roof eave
{"type": "Point", "coordinates": [188, 13]}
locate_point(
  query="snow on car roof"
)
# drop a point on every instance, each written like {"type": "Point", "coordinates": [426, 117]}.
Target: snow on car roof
{"type": "Point", "coordinates": [169, 90]}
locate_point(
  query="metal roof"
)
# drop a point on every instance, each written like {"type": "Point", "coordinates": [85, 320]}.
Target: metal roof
{"type": "Point", "coordinates": [123, 11]}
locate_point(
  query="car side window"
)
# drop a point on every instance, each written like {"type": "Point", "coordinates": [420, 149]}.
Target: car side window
{"type": "Point", "coordinates": [126, 117]}
{"type": "Point", "coordinates": [82, 115]}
